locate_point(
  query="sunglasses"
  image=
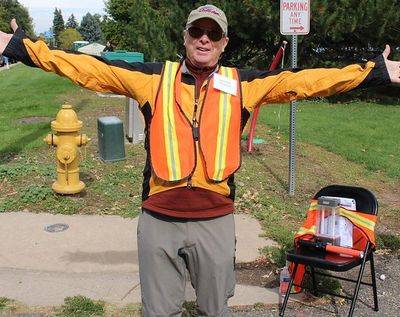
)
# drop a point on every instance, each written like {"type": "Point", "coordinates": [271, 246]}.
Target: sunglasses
{"type": "Point", "coordinates": [214, 35]}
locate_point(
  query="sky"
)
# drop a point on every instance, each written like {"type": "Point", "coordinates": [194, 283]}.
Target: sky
{"type": "Point", "coordinates": [42, 11]}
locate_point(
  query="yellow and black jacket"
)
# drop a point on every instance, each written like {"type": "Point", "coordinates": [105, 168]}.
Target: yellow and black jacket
{"type": "Point", "coordinates": [141, 81]}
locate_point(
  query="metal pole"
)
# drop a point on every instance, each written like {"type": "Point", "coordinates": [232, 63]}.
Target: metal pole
{"type": "Point", "coordinates": [292, 141]}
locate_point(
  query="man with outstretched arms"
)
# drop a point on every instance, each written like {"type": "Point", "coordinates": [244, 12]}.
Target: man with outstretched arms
{"type": "Point", "coordinates": [194, 111]}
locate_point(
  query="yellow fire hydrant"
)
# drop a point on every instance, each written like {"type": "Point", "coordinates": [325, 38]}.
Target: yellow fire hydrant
{"type": "Point", "coordinates": [67, 140]}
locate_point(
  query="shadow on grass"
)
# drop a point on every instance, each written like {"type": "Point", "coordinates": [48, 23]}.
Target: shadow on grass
{"type": "Point", "coordinates": [279, 179]}
{"type": "Point", "coordinates": [8, 153]}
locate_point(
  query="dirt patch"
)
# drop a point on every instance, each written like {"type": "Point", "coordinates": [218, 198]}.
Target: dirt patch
{"type": "Point", "coordinates": [260, 273]}
{"type": "Point", "coordinates": [316, 168]}
{"type": "Point", "coordinates": [29, 120]}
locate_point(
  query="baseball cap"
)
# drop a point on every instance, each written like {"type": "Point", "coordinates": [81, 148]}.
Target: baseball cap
{"type": "Point", "coordinates": [211, 12]}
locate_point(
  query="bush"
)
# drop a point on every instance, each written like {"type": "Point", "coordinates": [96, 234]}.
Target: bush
{"type": "Point", "coordinates": [81, 306]}
{"type": "Point", "coordinates": [3, 302]}
{"type": "Point", "coordinates": [388, 241]}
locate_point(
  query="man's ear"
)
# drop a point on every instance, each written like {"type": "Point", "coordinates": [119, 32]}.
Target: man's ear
{"type": "Point", "coordinates": [225, 43]}
{"type": "Point", "coordinates": [184, 34]}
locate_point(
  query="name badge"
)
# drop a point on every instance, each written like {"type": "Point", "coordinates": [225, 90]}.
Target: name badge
{"type": "Point", "coordinates": [225, 84]}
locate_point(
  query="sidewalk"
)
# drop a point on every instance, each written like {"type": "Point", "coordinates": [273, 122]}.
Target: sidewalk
{"type": "Point", "coordinates": [6, 67]}
{"type": "Point", "coordinates": [96, 256]}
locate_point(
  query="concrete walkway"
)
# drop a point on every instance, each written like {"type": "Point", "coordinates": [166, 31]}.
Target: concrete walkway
{"type": "Point", "coordinates": [96, 256]}
{"type": "Point", "coordinates": [6, 67]}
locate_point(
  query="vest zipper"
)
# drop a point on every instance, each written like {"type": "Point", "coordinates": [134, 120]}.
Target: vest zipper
{"type": "Point", "coordinates": [195, 133]}
{"type": "Point", "coordinates": [195, 125]}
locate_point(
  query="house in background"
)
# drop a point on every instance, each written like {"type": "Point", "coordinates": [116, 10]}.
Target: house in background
{"type": "Point", "coordinates": [92, 49]}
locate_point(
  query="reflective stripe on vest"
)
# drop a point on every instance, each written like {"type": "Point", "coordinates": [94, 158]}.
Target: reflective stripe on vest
{"type": "Point", "coordinates": [172, 147]}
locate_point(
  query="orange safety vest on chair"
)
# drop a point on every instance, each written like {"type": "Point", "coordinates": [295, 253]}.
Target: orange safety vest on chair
{"type": "Point", "coordinates": [172, 137]}
{"type": "Point", "coordinates": [364, 227]}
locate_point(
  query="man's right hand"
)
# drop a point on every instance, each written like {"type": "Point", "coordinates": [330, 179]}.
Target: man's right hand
{"type": "Point", "coordinates": [5, 38]}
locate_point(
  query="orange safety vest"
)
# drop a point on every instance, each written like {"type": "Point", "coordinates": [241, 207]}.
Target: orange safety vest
{"type": "Point", "coordinates": [172, 137]}
{"type": "Point", "coordinates": [363, 231]}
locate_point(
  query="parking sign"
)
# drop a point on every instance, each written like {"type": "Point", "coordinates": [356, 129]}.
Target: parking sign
{"type": "Point", "coordinates": [295, 17]}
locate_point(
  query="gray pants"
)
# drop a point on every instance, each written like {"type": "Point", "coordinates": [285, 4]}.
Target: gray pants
{"type": "Point", "coordinates": [168, 247]}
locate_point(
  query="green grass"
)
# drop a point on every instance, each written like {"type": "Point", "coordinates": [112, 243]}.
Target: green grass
{"type": "Point", "coordinates": [365, 133]}
{"type": "Point", "coordinates": [3, 302]}
{"type": "Point", "coordinates": [27, 164]}
{"type": "Point", "coordinates": [81, 306]}
{"type": "Point", "coordinates": [388, 241]}
{"type": "Point", "coordinates": [28, 92]}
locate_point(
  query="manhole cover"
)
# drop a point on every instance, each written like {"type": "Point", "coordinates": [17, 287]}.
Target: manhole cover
{"type": "Point", "coordinates": [57, 227]}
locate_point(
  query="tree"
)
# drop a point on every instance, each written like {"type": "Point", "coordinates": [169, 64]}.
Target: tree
{"type": "Point", "coordinates": [253, 39]}
{"type": "Point", "coordinates": [10, 9]}
{"type": "Point", "coordinates": [58, 24]}
{"type": "Point", "coordinates": [348, 30]}
{"type": "Point", "coordinates": [68, 37]}
{"type": "Point", "coordinates": [4, 25]}
{"type": "Point", "coordinates": [253, 32]}
{"type": "Point", "coordinates": [90, 28]}
{"type": "Point", "coordinates": [135, 26]}
{"type": "Point", "coordinates": [71, 23]}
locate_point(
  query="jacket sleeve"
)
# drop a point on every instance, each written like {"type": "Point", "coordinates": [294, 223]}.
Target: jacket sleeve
{"type": "Point", "coordinates": [136, 80]}
{"type": "Point", "coordinates": [264, 87]}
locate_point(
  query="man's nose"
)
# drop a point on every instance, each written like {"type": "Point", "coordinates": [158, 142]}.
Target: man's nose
{"type": "Point", "coordinates": [204, 38]}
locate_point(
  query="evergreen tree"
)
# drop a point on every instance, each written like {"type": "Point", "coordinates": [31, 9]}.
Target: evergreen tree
{"type": "Point", "coordinates": [253, 32]}
{"type": "Point", "coordinates": [90, 28]}
{"type": "Point", "coordinates": [10, 9]}
{"type": "Point", "coordinates": [348, 30]}
{"type": "Point", "coordinates": [4, 25]}
{"type": "Point", "coordinates": [71, 23]}
{"type": "Point", "coordinates": [58, 25]}
{"type": "Point", "coordinates": [136, 26]}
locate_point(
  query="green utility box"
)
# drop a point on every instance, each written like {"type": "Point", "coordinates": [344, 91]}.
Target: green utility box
{"type": "Point", "coordinates": [111, 139]}
{"type": "Point", "coordinates": [134, 125]}
{"type": "Point", "coordinates": [129, 57]}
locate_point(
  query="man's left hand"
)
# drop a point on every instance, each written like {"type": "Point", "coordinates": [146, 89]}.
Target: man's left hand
{"type": "Point", "coordinates": [393, 67]}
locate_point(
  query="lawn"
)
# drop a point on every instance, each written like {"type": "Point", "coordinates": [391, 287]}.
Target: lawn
{"type": "Point", "coordinates": [32, 97]}
{"type": "Point", "coordinates": [365, 133]}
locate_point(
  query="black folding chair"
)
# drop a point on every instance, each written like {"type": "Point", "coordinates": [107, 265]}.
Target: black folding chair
{"type": "Point", "coordinates": [312, 258]}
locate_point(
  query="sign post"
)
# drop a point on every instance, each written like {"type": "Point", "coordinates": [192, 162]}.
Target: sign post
{"type": "Point", "coordinates": [294, 21]}
{"type": "Point", "coordinates": [49, 35]}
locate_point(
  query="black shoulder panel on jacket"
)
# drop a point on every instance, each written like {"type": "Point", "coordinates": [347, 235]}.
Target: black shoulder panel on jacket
{"type": "Point", "coordinates": [379, 75]}
{"type": "Point", "coordinates": [16, 48]}
{"type": "Point", "coordinates": [250, 75]}
{"type": "Point", "coordinates": [146, 68]}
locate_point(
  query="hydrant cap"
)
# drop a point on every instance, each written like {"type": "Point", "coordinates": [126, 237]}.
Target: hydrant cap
{"type": "Point", "coordinates": [66, 120]}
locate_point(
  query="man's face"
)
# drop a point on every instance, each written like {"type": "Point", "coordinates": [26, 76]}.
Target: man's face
{"type": "Point", "coordinates": [203, 51]}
